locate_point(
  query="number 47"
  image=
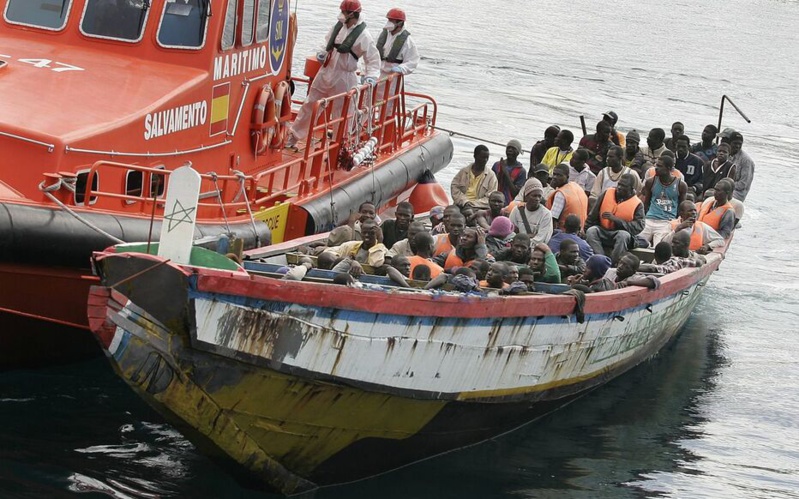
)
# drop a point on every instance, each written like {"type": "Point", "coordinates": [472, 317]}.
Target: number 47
{"type": "Point", "coordinates": [46, 63]}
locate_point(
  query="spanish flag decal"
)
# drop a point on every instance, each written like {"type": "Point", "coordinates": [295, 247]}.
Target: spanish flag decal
{"type": "Point", "coordinates": [220, 105]}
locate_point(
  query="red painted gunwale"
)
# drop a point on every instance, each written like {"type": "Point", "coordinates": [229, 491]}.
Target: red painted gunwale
{"type": "Point", "coordinates": [329, 295]}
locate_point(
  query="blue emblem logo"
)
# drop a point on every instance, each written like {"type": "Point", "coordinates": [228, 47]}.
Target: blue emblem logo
{"type": "Point", "coordinates": [278, 34]}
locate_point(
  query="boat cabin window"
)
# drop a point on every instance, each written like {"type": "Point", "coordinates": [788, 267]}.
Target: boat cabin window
{"type": "Point", "coordinates": [48, 14]}
{"type": "Point", "coordinates": [247, 23]}
{"type": "Point", "coordinates": [133, 183]}
{"type": "Point", "coordinates": [118, 19]}
{"type": "Point", "coordinates": [262, 31]}
{"type": "Point", "coordinates": [229, 31]}
{"type": "Point", "coordinates": [184, 23]}
{"type": "Point", "coordinates": [80, 187]}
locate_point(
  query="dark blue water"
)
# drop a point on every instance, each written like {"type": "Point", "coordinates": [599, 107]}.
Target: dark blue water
{"type": "Point", "coordinates": [713, 416]}
{"type": "Point", "coordinates": [78, 428]}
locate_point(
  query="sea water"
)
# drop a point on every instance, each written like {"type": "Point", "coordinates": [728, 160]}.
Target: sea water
{"type": "Point", "coordinates": [714, 415]}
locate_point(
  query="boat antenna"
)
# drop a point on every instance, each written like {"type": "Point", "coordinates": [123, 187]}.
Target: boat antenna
{"type": "Point", "coordinates": [721, 113]}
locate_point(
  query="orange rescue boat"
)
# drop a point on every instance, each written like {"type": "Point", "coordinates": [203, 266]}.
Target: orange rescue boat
{"type": "Point", "coordinates": [102, 99]}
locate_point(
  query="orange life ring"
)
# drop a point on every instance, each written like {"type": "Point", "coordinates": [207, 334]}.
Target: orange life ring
{"type": "Point", "coordinates": [264, 124]}
{"type": "Point", "coordinates": [283, 114]}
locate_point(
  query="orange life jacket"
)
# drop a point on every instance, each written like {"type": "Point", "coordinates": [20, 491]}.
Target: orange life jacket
{"type": "Point", "coordinates": [675, 172]}
{"type": "Point", "coordinates": [712, 216]}
{"type": "Point", "coordinates": [506, 211]}
{"type": "Point", "coordinates": [454, 260]}
{"type": "Point", "coordinates": [435, 269]}
{"type": "Point", "coordinates": [442, 244]}
{"type": "Point", "coordinates": [697, 234]}
{"type": "Point", "coordinates": [576, 203]}
{"type": "Point", "coordinates": [624, 210]}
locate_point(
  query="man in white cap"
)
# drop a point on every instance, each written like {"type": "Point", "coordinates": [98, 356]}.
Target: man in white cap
{"type": "Point", "coordinates": [347, 42]}
{"type": "Point", "coordinates": [510, 172]}
{"type": "Point", "coordinates": [533, 218]}
{"type": "Point", "coordinates": [398, 52]}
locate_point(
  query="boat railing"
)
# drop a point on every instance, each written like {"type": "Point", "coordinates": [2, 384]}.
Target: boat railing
{"type": "Point", "coordinates": [219, 194]}
{"type": "Point", "coordinates": [372, 121]}
{"type": "Point", "coordinates": [391, 122]}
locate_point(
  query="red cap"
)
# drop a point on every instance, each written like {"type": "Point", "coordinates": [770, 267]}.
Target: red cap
{"type": "Point", "coordinates": [350, 6]}
{"type": "Point", "coordinates": [397, 14]}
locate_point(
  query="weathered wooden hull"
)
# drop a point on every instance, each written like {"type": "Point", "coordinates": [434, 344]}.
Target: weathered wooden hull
{"type": "Point", "coordinates": [307, 384]}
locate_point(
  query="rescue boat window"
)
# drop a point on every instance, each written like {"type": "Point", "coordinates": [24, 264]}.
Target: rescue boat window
{"type": "Point", "coordinates": [48, 14]}
{"type": "Point", "coordinates": [262, 31]}
{"type": "Point", "coordinates": [80, 187]}
{"type": "Point", "coordinates": [119, 19]}
{"type": "Point", "coordinates": [133, 184]}
{"type": "Point", "coordinates": [229, 31]}
{"type": "Point", "coordinates": [183, 23]}
{"type": "Point", "coordinates": [247, 23]}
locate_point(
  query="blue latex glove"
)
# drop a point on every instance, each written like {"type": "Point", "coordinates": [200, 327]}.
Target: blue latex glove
{"type": "Point", "coordinates": [396, 69]}
{"type": "Point", "coordinates": [370, 81]}
{"type": "Point", "coordinates": [321, 56]}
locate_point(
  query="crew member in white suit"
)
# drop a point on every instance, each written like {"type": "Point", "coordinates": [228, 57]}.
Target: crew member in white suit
{"type": "Point", "coordinates": [398, 52]}
{"type": "Point", "coordinates": [346, 43]}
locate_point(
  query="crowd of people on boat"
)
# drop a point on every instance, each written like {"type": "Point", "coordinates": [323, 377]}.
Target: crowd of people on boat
{"type": "Point", "coordinates": [564, 218]}
{"type": "Point", "coordinates": [574, 216]}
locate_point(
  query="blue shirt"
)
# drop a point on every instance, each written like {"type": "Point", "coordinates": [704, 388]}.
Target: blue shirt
{"type": "Point", "coordinates": [705, 154]}
{"type": "Point", "coordinates": [585, 249]}
{"type": "Point", "coordinates": [691, 168]}
{"type": "Point", "coordinates": [664, 200]}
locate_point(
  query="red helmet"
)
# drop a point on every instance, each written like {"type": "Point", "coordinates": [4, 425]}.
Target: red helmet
{"type": "Point", "coordinates": [350, 6]}
{"type": "Point", "coordinates": [396, 14]}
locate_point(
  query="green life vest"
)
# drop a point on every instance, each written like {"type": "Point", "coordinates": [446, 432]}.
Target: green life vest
{"type": "Point", "coordinates": [399, 41]}
{"type": "Point", "coordinates": [345, 47]}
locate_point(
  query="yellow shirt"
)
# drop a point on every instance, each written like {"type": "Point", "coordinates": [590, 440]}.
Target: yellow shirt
{"type": "Point", "coordinates": [554, 156]}
{"type": "Point", "coordinates": [474, 183]}
{"type": "Point", "coordinates": [376, 255]}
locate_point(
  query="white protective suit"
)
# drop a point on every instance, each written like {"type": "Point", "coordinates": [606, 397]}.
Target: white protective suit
{"type": "Point", "coordinates": [338, 75]}
{"type": "Point", "coordinates": [409, 55]}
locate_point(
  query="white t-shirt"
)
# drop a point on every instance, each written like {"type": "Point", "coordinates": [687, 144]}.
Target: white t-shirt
{"type": "Point", "coordinates": [540, 222]}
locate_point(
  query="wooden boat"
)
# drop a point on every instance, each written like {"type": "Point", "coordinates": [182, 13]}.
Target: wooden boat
{"type": "Point", "coordinates": [300, 384]}
{"type": "Point", "coordinates": [103, 100]}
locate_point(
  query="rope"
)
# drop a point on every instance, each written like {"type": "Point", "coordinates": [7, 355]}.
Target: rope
{"type": "Point", "coordinates": [215, 178]}
{"type": "Point", "coordinates": [137, 274]}
{"type": "Point", "coordinates": [48, 192]}
{"type": "Point", "coordinates": [242, 179]}
{"type": "Point", "coordinates": [453, 132]}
